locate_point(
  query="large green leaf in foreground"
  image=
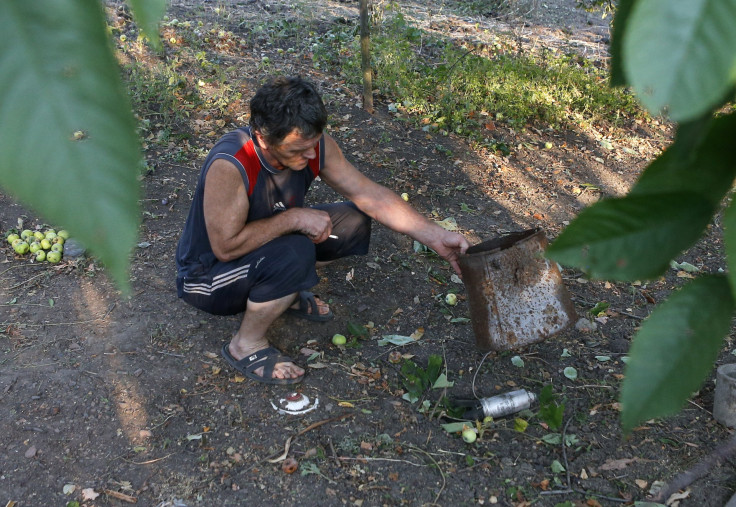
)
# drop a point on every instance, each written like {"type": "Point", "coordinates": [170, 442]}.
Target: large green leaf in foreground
{"type": "Point", "coordinates": [68, 146]}
{"type": "Point", "coordinates": [633, 237]}
{"type": "Point", "coordinates": [147, 14]}
{"type": "Point", "coordinates": [636, 236]}
{"type": "Point", "coordinates": [675, 349]}
{"type": "Point", "coordinates": [680, 55]}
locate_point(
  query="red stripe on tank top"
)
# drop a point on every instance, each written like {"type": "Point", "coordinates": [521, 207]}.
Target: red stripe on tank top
{"type": "Point", "coordinates": [247, 156]}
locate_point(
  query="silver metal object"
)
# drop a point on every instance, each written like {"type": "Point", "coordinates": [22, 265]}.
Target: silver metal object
{"type": "Point", "coordinates": [332, 236]}
{"type": "Point", "coordinates": [295, 404]}
{"type": "Point", "coordinates": [724, 400]}
{"type": "Point", "coordinates": [502, 404]}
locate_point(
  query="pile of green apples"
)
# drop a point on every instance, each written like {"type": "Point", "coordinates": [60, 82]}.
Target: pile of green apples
{"type": "Point", "coordinates": [43, 246]}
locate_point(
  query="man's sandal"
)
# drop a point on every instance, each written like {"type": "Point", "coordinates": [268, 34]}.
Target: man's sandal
{"type": "Point", "coordinates": [309, 309]}
{"type": "Point", "coordinates": [266, 358]}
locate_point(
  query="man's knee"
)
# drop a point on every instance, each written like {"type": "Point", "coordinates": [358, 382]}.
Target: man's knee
{"type": "Point", "coordinates": [287, 265]}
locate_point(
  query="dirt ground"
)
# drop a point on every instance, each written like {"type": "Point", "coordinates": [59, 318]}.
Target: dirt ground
{"type": "Point", "coordinates": [128, 398]}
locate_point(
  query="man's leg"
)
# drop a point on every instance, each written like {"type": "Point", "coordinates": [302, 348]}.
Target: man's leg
{"type": "Point", "coordinates": [250, 337]}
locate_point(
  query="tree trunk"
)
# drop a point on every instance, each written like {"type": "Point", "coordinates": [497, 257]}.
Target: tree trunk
{"type": "Point", "coordinates": [365, 53]}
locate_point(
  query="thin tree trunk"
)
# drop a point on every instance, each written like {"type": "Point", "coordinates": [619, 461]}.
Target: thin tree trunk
{"type": "Point", "coordinates": [365, 53]}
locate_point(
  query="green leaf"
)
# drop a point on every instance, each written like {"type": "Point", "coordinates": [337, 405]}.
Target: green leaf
{"type": "Point", "coordinates": [357, 330]}
{"type": "Point", "coordinates": [675, 349]}
{"type": "Point", "coordinates": [395, 339]}
{"type": "Point", "coordinates": [729, 237]}
{"type": "Point", "coordinates": [701, 160]}
{"type": "Point", "coordinates": [147, 14]}
{"type": "Point", "coordinates": [633, 237]}
{"type": "Point", "coordinates": [557, 467]}
{"type": "Point", "coordinates": [434, 364]}
{"type": "Point", "coordinates": [454, 427]}
{"type": "Point", "coordinates": [520, 425]}
{"type": "Point", "coordinates": [679, 54]}
{"type": "Point", "coordinates": [552, 438]}
{"type": "Point", "coordinates": [442, 382]}
{"type": "Point", "coordinates": [549, 410]}
{"type": "Point", "coordinates": [620, 21]}
{"type": "Point", "coordinates": [69, 148]}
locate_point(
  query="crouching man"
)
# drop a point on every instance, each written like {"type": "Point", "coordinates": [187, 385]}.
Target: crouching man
{"type": "Point", "coordinates": [251, 245]}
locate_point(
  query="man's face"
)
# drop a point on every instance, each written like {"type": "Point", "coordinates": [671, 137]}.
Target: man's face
{"type": "Point", "coordinates": [294, 152]}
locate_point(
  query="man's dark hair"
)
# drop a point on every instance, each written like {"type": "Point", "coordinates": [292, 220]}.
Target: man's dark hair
{"type": "Point", "coordinates": [286, 103]}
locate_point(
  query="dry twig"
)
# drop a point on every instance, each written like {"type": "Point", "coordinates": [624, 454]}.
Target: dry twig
{"type": "Point", "coordinates": [282, 457]}
{"type": "Point", "coordinates": [715, 458]}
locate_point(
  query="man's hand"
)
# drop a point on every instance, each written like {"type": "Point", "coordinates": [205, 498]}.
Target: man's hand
{"type": "Point", "coordinates": [313, 223]}
{"type": "Point", "coordinates": [449, 245]}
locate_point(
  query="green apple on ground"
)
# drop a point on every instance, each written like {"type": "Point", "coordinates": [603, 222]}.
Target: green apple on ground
{"type": "Point", "coordinates": [58, 239]}
{"type": "Point", "coordinates": [27, 233]}
{"type": "Point", "coordinates": [40, 255]}
{"type": "Point", "coordinates": [57, 247]}
{"type": "Point", "coordinates": [469, 435]}
{"type": "Point", "coordinates": [53, 257]}
{"type": "Point", "coordinates": [38, 235]}
{"type": "Point", "coordinates": [12, 238]}
{"type": "Point", "coordinates": [451, 299]}
{"type": "Point", "coordinates": [34, 246]}
{"type": "Point", "coordinates": [339, 339]}
{"type": "Point", "coordinates": [21, 247]}
{"type": "Point", "coordinates": [63, 234]}
{"type": "Point", "coordinates": [50, 235]}
{"type": "Point", "coordinates": [45, 244]}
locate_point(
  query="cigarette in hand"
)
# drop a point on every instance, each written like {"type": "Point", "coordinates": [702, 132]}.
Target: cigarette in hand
{"type": "Point", "coordinates": [332, 236]}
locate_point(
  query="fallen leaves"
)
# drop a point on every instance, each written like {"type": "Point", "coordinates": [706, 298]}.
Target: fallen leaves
{"type": "Point", "coordinates": [620, 464]}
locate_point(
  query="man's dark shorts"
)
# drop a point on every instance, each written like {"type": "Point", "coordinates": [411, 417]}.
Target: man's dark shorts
{"type": "Point", "coordinates": [280, 267]}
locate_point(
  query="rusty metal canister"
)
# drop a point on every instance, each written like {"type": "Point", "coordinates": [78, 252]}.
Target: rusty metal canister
{"type": "Point", "coordinates": [516, 295]}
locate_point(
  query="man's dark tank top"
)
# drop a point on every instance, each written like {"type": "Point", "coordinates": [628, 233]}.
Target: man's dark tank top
{"type": "Point", "coordinates": [267, 195]}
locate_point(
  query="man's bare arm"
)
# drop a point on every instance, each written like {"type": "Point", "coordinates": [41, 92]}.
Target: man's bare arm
{"type": "Point", "coordinates": [226, 208]}
{"type": "Point", "coordinates": [386, 207]}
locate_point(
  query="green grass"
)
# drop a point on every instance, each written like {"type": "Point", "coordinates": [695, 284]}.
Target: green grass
{"type": "Point", "coordinates": [458, 88]}
{"type": "Point", "coordinates": [437, 83]}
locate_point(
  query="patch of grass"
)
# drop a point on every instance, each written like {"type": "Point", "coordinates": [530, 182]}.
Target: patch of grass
{"type": "Point", "coordinates": [159, 91]}
{"type": "Point", "coordinates": [456, 87]}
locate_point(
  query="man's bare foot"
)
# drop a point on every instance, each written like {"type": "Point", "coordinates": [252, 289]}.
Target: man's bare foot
{"type": "Point", "coordinates": [322, 307]}
{"type": "Point", "coordinates": [283, 370]}
{"type": "Point", "coordinates": [310, 307]}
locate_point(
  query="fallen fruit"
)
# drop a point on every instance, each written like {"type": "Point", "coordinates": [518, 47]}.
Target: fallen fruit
{"type": "Point", "coordinates": [339, 339]}
{"type": "Point", "coordinates": [289, 465]}
{"type": "Point", "coordinates": [27, 233]}
{"type": "Point", "coordinates": [63, 234]}
{"type": "Point", "coordinates": [405, 196]}
{"type": "Point", "coordinates": [45, 244]}
{"type": "Point", "coordinates": [50, 235]}
{"type": "Point", "coordinates": [40, 255]}
{"type": "Point", "coordinates": [57, 247]}
{"type": "Point", "coordinates": [12, 238]}
{"type": "Point", "coordinates": [469, 435]}
{"type": "Point", "coordinates": [58, 239]}
{"type": "Point", "coordinates": [451, 299]}
{"type": "Point", "coordinates": [548, 145]}
{"type": "Point", "coordinates": [53, 257]}
{"type": "Point", "coordinates": [34, 247]}
{"type": "Point", "coordinates": [21, 247]}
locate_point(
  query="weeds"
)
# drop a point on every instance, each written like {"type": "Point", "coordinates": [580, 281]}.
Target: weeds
{"type": "Point", "coordinates": [462, 88]}
{"type": "Point", "coordinates": [438, 83]}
